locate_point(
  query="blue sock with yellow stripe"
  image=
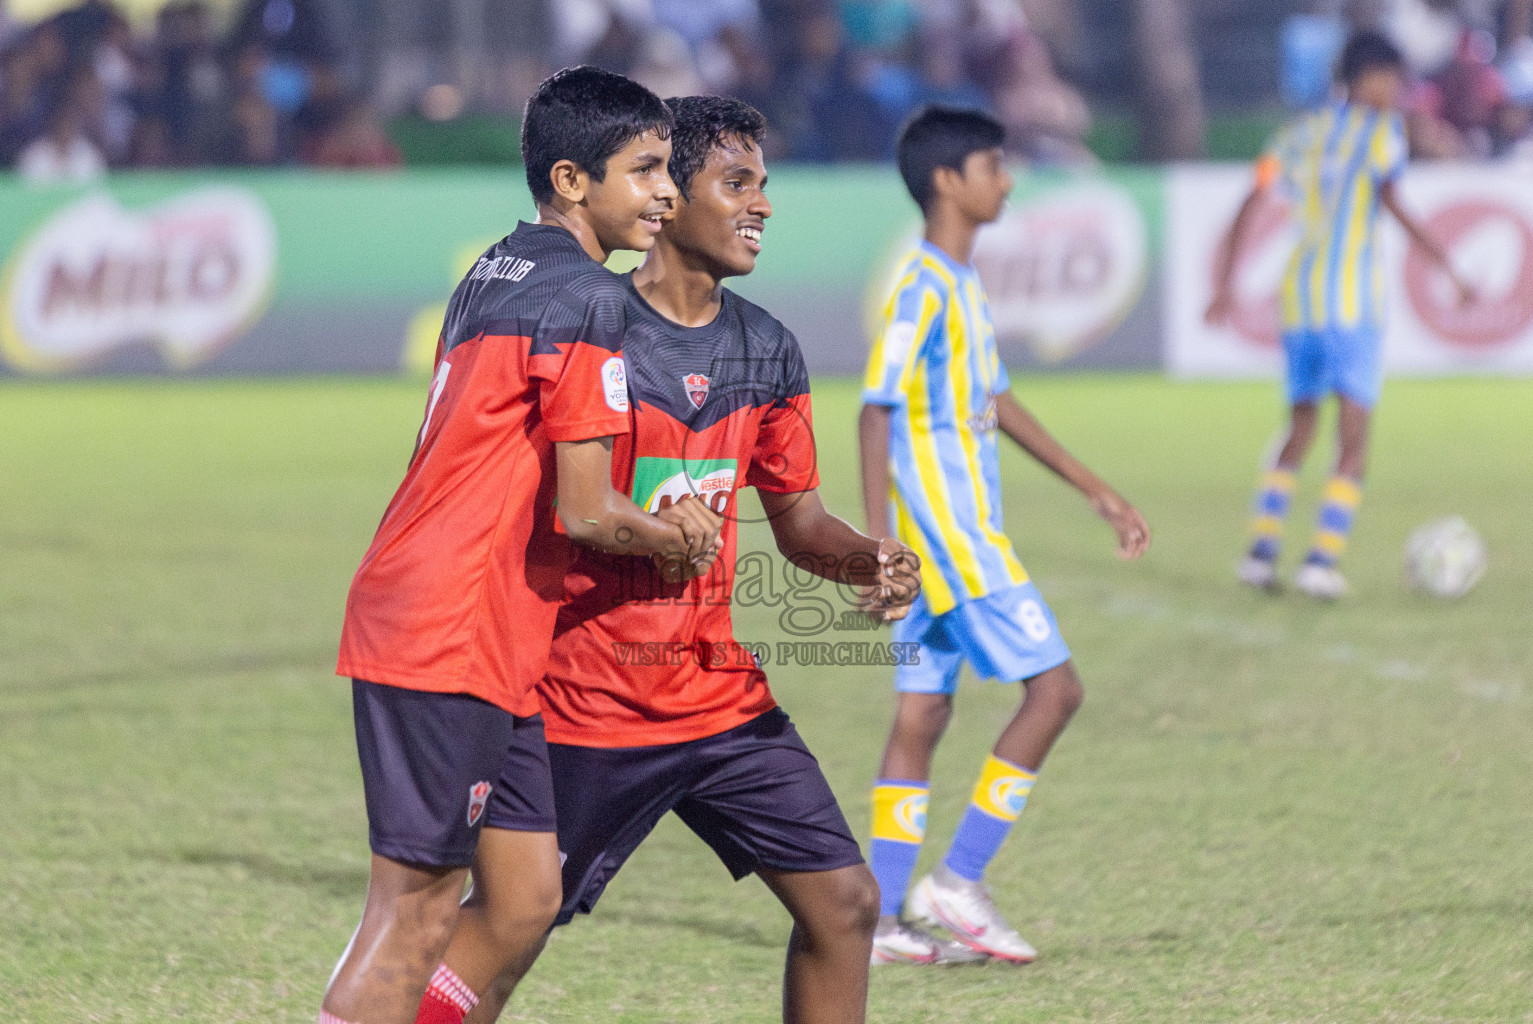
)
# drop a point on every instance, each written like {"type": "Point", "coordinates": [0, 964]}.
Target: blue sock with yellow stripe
{"type": "Point", "coordinates": [999, 797]}
{"type": "Point", "coordinates": [1271, 512]}
{"type": "Point", "coordinates": [1334, 524]}
{"type": "Point", "coordinates": [899, 825]}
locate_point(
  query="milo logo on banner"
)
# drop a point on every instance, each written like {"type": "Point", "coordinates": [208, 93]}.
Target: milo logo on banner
{"type": "Point", "coordinates": [660, 483]}
{"type": "Point", "coordinates": [1063, 270]}
{"type": "Point", "coordinates": [187, 276]}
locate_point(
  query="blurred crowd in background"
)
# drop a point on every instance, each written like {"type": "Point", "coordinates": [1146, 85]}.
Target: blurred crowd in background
{"type": "Point", "coordinates": [1472, 64]}
{"type": "Point", "coordinates": [82, 91]}
{"type": "Point", "coordinates": [835, 79]}
{"type": "Point", "coordinates": [333, 83]}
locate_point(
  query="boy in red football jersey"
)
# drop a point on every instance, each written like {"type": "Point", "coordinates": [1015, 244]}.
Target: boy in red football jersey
{"type": "Point", "coordinates": [651, 704]}
{"type": "Point", "coordinates": [451, 613]}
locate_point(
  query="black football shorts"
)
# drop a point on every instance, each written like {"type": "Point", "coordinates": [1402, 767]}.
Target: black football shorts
{"type": "Point", "coordinates": [437, 767]}
{"type": "Point", "coordinates": [755, 794]}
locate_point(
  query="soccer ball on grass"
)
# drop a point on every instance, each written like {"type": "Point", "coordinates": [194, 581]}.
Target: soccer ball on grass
{"type": "Point", "coordinates": [1445, 558]}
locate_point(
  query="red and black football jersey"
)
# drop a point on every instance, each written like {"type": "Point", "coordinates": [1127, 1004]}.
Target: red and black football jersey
{"type": "Point", "coordinates": [459, 590]}
{"type": "Point", "coordinates": [637, 661]}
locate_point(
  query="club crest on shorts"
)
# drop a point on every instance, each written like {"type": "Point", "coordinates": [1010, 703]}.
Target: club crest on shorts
{"type": "Point", "coordinates": [478, 796]}
{"type": "Point", "coordinates": [697, 389]}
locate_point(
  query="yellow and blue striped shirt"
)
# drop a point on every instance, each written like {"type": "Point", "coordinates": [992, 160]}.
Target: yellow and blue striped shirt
{"type": "Point", "coordinates": [1331, 165]}
{"type": "Point", "coordinates": [935, 365]}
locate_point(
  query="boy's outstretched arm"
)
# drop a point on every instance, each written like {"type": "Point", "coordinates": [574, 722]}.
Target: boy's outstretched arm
{"type": "Point", "coordinates": [1390, 196]}
{"type": "Point", "coordinates": [683, 537]}
{"type": "Point", "coordinates": [1224, 274]}
{"type": "Point", "coordinates": [873, 444]}
{"type": "Point", "coordinates": [1022, 427]}
{"type": "Point", "coordinates": [809, 536]}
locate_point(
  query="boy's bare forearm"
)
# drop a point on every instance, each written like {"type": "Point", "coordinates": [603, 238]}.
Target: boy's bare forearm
{"type": "Point", "coordinates": [873, 443]}
{"type": "Point", "coordinates": [1023, 428]}
{"type": "Point", "coordinates": [595, 515]}
{"type": "Point", "coordinates": [619, 527]}
{"type": "Point", "coordinates": [1413, 228]}
{"type": "Point", "coordinates": [1234, 238]}
{"type": "Point", "coordinates": [1020, 425]}
{"type": "Point", "coordinates": [825, 544]}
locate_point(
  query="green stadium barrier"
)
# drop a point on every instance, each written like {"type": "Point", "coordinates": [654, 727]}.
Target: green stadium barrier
{"type": "Point", "coordinates": [297, 272]}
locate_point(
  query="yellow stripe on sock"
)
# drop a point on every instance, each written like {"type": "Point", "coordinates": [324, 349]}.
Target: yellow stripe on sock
{"type": "Point", "coordinates": [1267, 526]}
{"type": "Point", "coordinates": [1330, 542]}
{"type": "Point", "coordinates": [1341, 491]}
{"type": "Point", "coordinates": [1279, 480]}
{"type": "Point", "coordinates": [899, 813]}
{"type": "Point", "coordinates": [1003, 788]}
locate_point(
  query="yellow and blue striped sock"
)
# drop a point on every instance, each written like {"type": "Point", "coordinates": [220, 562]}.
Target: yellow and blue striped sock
{"type": "Point", "coordinates": [1271, 511]}
{"type": "Point", "coordinates": [1334, 524]}
{"type": "Point", "coordinates": [899, 826]}
{"type": "Point", "coordinates": [999, 797]}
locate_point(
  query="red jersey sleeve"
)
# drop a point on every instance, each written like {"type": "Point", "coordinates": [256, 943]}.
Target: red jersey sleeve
{"type": "Point", "coordinates": [784, 459]}
{"type": "Point", "coordinates": [576, 359]}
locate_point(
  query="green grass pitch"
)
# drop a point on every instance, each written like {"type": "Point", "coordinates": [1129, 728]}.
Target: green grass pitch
{"type": "Point", "coordinates": [1266, 811]}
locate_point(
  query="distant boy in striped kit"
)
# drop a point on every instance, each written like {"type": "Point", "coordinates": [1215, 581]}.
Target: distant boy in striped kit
{"type": "Point", "coordinates": [935, 396]}
{"type": "Point", "coordinates": [1337, 165]}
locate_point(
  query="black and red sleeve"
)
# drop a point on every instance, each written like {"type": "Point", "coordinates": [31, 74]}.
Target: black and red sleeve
{"type": "Point", "coordinates": [784, 459]}
{"type": "Point", "coordinates": [576, 358]}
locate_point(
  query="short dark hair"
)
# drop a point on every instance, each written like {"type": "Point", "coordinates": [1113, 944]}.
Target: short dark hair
{"type": "Point", "coordinates": [938, 136]}
{"type": "Point", "coordinates": [704, 123]}
{"type": "Point", "coordinates": [585, 115]}
{"type": "Point", "coordinates": [1366, 51]}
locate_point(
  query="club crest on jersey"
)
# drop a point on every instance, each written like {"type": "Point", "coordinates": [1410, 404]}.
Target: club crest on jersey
{"type": "Point", "coordinates": [697, 389]}
{"type": "Point", "coordinates": [478, 796]}
{"type": "Point", "coordinates": [987, 421]}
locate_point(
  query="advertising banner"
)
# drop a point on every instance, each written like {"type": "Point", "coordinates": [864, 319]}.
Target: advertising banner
{"type": "Point", "coordinates": [242, 273]}
{"type": "Point", "coordinates": [1069, 271]}
{"type": "Point", "coordinates": [1483, 215]}
{"type": "Point", "coordinates": [295, 272]}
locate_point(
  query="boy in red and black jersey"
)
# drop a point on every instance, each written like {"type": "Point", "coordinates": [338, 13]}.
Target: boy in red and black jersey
{"type": "Point", "coordinates": [452, 596]}
{"type": "Point", "coordinates": [638, 661]}
{"type": "Point", "coordinates": [720, 400]}
{"type": "Point", "coordinates": [450, 615]}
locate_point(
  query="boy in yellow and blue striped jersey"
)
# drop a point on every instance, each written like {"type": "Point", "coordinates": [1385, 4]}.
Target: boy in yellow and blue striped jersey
{"type": "Point", "coordinates": [1337, 165]}
{"type": "Point", "coordinates": [935, 396]}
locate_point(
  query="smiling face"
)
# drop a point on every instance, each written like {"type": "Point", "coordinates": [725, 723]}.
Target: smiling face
{"type": "Point", "coordinates": [981, 188]}
{"type": "Point", "coordinates": [720, 225]}
{"type": "Point", "coordinates": [627, 207]}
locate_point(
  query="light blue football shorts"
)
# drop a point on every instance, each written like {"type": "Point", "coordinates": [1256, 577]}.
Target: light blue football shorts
{"type": "Point", "coordinates": [1008, 635]}
{"type": "Point", "coordinates": [1340, 360]}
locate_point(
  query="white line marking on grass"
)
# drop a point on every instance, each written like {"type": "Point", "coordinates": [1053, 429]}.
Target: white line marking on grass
{"type": "Point", "coordinates": [1494, 691]}
{"type": "Point", "coordinates": [1205, 622]}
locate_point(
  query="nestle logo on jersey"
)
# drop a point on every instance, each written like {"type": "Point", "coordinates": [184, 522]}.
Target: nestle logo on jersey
{"type": "Point", "coordinates": [501, 268]}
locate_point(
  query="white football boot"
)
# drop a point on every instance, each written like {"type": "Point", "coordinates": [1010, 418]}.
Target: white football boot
{"type": "Point", "coordinates": [966, 909]}
{"type": "Point", "coordinates": [1322, 582]}
{"type": "Point", "coordinates": [1260, 573]}
{"type": "Point", "coordinates": [896, 942]}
